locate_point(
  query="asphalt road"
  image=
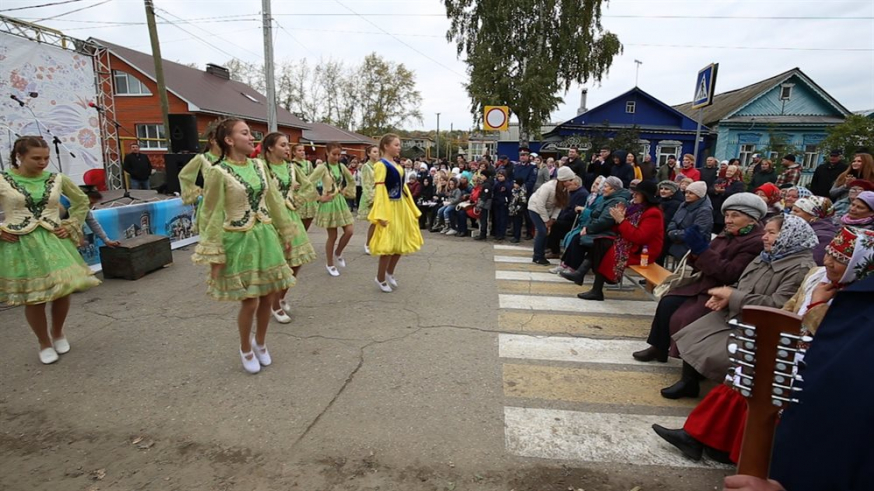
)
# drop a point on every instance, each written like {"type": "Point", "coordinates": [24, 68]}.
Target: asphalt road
{"type": "Point", "coordinates": [480, 372]}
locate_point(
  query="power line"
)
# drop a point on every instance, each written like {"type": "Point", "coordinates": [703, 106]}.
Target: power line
{"type": "Point", "coordinates": [74, 11]}
{"type": "Point", "coordinates": [195, 36]}
{"type": "Point", "coordinates": [775, 48]}
{"type": "Point", "coordinates": [41, 6]}
{"type": "Point", "coordinates": [202, 29]}
{"type": "Point", "coordinates": [397, 38]}
{"type": "Point", "coordinates": [293, 37]}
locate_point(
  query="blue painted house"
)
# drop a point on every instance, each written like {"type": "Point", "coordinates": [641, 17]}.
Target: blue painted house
{"type": "Point", "coordinates": [663, 130]}
{"type": "Point", "coordinates": [789, 107]}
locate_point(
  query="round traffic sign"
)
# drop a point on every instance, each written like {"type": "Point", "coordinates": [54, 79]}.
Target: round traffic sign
{"type": "Point", "coordinates": [496, 118]}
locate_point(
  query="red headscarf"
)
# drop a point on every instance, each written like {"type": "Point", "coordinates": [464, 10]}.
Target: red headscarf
{"type": "Point", "coordinates": [771, 191]}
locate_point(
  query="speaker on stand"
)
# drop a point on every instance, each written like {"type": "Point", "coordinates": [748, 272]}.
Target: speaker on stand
{"type": "Point", "coordinates": [183, 133]}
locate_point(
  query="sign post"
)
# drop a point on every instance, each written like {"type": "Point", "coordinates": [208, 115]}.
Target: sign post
{"type": "Point", "coordinates": [705, 83]}
{"type": "Point", "coordinates": [496, 118]}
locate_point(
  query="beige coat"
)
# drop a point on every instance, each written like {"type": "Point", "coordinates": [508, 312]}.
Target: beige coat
{"type": "Point", "coordinates": [542, 202]}
{"type": "Point", "coordinates": [702, 343]}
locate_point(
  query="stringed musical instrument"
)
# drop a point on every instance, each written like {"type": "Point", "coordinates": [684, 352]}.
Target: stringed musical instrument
{"type": "Point", "coordinates": [765, 353]}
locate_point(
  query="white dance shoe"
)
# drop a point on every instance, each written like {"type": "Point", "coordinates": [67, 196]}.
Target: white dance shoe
{"type": "Point", "coordinates": [340, 261]}
{"type": "Point", "coordinates": [332, 270]}
{"type": "Point", "coordinates": [61, 345]}
{"type": "Point", "coordinates": [261, 353]}
{"type": "Point", "coordinates": [391, 280]}
{"type": "Point", "coordinates": [48, 356]}
{"type": "Point", "coordinates": [383, 285]}
{"type": "Point", "coordinates": [250, 363]}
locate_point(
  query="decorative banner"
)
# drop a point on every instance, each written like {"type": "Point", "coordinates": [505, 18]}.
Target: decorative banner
{"type": "Point", "coordinates": [169, 217]}
{"type": "Point", "coordinates": [496, 118]}
{"type": "Point", "coordinates": [56, 86]}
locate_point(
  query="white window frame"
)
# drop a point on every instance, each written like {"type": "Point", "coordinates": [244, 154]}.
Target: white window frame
{"type": "Point", "coordinates": [151, 130]}
{"type": "Point", "coordinates": [662, 152]}
{"type": "Point", "coordinates": [811, 156]}
{"type": "Point", "coordinates": [130, 82]}
{"type": "Point", "coordinates": [645, 146]}
{"type": "Point", "coordinates": [630, 107]}
{"type": "Point", "coordinates": [745, 153]}
{"type": "Point", "coordinates": [787, 96]}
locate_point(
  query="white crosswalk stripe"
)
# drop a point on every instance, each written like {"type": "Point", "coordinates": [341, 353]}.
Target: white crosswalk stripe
{"type": "Point", "coordinates": [581, 350]}
{"type": "Point", "coordinates": [566, 304]}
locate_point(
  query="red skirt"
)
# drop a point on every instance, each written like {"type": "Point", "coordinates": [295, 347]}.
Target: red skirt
{"type": "Point", "coordinates": [718, 420]}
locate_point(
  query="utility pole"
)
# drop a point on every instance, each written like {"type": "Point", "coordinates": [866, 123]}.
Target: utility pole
{"type": "Point", "coordinates": [438, 137]}
{"type": "Point", "coordinates": [268, 65]}
{"type": "Point", "coordinates": [637, 71]}
{"type": "Point", "coordinates": [159, 70]}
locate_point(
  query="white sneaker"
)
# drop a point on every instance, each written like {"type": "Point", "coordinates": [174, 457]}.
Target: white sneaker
{"type": "Point", "coordinates": [48, 356]}
{"type": "Point", "coordinates": [340, 261]}
{"type": "Point", "coordinates": [285, 306]}
{"type": "Point", "coordinates": [332, 270]}
{"type": "Point", "coordinates": [252, 365]}
{"type": "Point", "coordinates": [391, 280]}
{"type": "Point", "coordinates": [366, 249]}
{"type": "Point", "coordinates": [61, 345]}
{"type": "Point", "coordinates": [281, 316]}
{"type": "Point", "coordinates": [383, 286]}
{"type": "Point", "coordinates": [261, 353]}
{"type": "Point", "coordinates": [452, 232]}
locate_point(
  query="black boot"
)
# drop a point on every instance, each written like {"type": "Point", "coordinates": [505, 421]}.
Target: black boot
{"type": "Point", "coordinates": [690, 447]}
{"type": "Point", "coordinates": [579, 274]}
{"type": "Point", "coordinates": [597, 291]}
{"type": "Point", "coordinates": [720, 456]}
{"type": "Point", "coordinates": [650, 354]}
{"type": "Point", "coordinates": [687, 386]}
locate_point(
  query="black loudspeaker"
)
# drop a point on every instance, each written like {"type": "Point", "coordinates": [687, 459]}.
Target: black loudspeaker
{"type": "Point", "coordinates": [173, 163]}
{"type": "Point", "coordinates": [183, 133]}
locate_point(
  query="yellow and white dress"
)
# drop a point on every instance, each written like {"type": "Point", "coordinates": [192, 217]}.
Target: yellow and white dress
{"type": "Point", "coordinates": [393, 203]}
{"type": "Point", "coordinates": [191, 192]}
{"type": "Point", "coordinates": [307, 209]}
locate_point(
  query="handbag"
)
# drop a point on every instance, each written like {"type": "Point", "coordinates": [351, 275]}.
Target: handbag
{"type": "Point", "coordinates": [679, 278]}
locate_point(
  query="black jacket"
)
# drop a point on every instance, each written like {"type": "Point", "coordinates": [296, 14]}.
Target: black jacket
{"type": "Point", "coordinates": [709, 175]}
{"type": "Point", "coordinates": [578, 167]}
{"type": "Point", "coordinates": [138, 166]}
{"type": "Point", "coordinates": [824, 178]}
{"type": "Point", "coordinates": [670, 206]}
{"type": "Point", "coordinates": [624, 171]}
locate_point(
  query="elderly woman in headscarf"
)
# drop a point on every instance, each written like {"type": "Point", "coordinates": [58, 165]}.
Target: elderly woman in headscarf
{"type": "Point", "coordinates": [793, 194]}
{"type": "Point", "coordinates": [772, 197]}
{"type": "Point", "coordinates": [817, 211]}
{"type": "Point", "coordinates": [720, 262]}
{"type": "Point", "coordinates": [716, 425]}
{"type": "Point", "coordinates": [600, 225]}
{"type": "Point", "coordinates": [861, 212]}
{"type": "Point", "coordinates": [723, 187]}
{"type": "Point", "coordinates": [574, 253]}
{"type": "Point", "coordinates": [769, 281]}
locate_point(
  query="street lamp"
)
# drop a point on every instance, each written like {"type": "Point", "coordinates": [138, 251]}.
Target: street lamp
{"type": "Point", "coordinates": [438, 137]}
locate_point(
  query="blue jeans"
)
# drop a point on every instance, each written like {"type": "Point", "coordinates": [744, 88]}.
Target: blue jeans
{"type": "Point", "coordinates": [444, 212]}
{"type": "Point", "coordinates": [461, 219]}
{"type": "Point", "coordinates": [539, 237]}
{"type": "Point", "coordinates": [517, 225]}
{"type": "Point", "coordinates": [499, 226]}
{"type": "Point", "coordinates": [139, 184]}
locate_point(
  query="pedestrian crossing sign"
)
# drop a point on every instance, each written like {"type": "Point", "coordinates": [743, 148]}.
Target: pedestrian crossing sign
{"type": "Point", "coordinates": [705, 83]}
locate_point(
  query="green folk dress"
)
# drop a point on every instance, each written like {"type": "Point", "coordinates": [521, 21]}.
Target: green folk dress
{"type": "Point", "coordinates": [286, 176]}
{"type": "Point", "coordinates": [338, 181]}
{"type": "Point", "coordinates": [308, 209]}
{"type": "Point", "coordinates": [41, 267]}
{"type": "Point", "coordinates": [367, 190]}
{"type": "Point", "coordinates": [245, 228]}
{"type": "Point", "coordinates": [191, 192]}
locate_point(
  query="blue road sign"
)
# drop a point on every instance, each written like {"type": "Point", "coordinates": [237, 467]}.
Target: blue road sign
{"type": "Point", "coordinates": [705, 83]}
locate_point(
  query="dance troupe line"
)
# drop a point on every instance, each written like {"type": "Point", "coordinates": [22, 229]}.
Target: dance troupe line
{"type": "Point", "coordinates": [252, 214]}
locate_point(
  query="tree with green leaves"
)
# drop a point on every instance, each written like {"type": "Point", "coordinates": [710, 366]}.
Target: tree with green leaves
{"type": "Point", "coordinates": [523, 53]}
{"type": "Point", "coordinates": [387, 97]}
{"type": "Point", "coordinates": [851, 135]}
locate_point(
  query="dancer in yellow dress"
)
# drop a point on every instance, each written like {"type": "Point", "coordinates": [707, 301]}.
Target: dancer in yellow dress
{"type": "Point", "coordinates": [296, 189]}
{"type": "Point", "coordinates": [308, 209]}
{"type": "Point", "coordinates": [39, 262]}
{"type": "Point", "coordinates": [245, 229]}
{"type": "Point", "coordinates": [367, 188]}
{"type": "Point", "coordinates": [337, 185]}
{"type": "Point", "coordinates": [395, 214]}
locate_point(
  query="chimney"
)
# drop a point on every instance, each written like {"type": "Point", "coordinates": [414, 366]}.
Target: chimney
{"type": "Point", "coordinates": [583, 107]}
{"type": "Point", "coordinates": [218, 70]}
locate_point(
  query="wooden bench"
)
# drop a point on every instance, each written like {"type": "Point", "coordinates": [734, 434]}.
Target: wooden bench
{"type": "Point", "coordinates": [653, 274]}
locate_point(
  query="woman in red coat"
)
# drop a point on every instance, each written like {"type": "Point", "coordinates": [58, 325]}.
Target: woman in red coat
{"type": "Point", "coordinates": [641, 225]}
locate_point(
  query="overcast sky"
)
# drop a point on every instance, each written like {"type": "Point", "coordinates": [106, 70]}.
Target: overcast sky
{"type": "Point", "coordinates": [831, 41]}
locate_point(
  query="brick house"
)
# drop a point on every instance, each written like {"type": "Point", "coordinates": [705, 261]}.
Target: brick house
{"type": "Point", "coordinates": [207, 94]}
{"type": "Point", "coordinates": [320, 133]}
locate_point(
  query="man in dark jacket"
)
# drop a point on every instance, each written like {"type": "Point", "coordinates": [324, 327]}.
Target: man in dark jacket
{"type": "Point", "coordinates": [599, 166]}
{"type": "Point", "coordinates": [825, 175]}
{"type": "Point", "coordinates": [574, 162]}
{"type": "Point", "coordinates": [139, 168]}
{"type": "Point", "coordinates": [647, 168]}
{"type": "Point", "coordinates": [622, 169]}
{"type": "Point", "coordinates": [837, 372]}
{"type": "Point", "coordinates": [710, 172]}
{"type": "Point", "coordinates": [528, 172]}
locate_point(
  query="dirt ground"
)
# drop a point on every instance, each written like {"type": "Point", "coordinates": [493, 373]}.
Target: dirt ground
{"type": "Point", "coordinates": [367, 392]}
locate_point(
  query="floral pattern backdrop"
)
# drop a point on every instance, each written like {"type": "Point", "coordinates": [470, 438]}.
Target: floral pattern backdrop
{"type": "Point", "coordinates": [64, 83]}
